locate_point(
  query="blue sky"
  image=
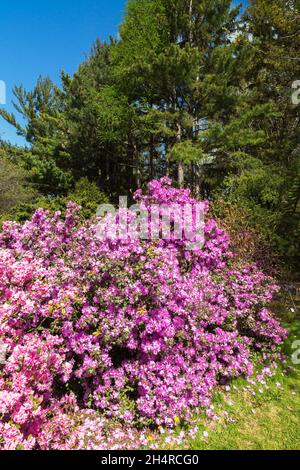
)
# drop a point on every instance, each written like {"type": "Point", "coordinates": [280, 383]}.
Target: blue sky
{"type": "Point", "coordinates": [44, 37]}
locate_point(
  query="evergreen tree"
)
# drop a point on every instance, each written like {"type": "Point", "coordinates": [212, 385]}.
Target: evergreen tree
{"type": "Point", "coordinates": [190, 89]}
{"type": "Point", "coordinates": [170, 65]}
{"type": "Point", "coordinates": [269, 182]}
{"type": "Point", "coordinates": [14, 184]}
{"type": "Point", "coordinates": [40, 109]}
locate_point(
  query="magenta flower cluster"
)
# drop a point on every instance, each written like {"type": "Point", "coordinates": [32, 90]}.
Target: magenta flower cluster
{"type": "Point", "coordinates": [120, 331]}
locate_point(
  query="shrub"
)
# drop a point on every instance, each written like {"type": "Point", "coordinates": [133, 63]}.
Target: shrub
{"type": "Point", "coordinates": [14, 188]}
{"type": "Point", "coordinates": [250, 239]}
{"type": "Point", "coordinates": [120, 331]}
{"type": "Point", "coordinates": [85, 193]}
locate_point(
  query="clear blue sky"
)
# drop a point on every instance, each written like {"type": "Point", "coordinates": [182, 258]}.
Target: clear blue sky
{"type": "Point", "coordinates": [44, 37]}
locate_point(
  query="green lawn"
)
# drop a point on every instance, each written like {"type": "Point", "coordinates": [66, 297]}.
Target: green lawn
{"type": "Point", "coordinates": [257, 417]}
{"type": "Point", "coordinates": [265, 421]}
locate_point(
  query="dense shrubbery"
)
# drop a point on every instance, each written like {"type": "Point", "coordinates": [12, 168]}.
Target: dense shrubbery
{"type": "Point", "coordinates": [120, 331]}
{"type": "Point", "coordinates": [85, 193]}
{"type": "Point", "coordinates": [252, 242]}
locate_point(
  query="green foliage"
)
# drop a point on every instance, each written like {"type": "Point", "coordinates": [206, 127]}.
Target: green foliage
{"type": "Point", "coordinates": [190, 89]}
{"type": "Point", "coordinates": [186, 151]}
{"type": "Point", "coordinates": [88, 196]}
{"type": "Point", "coordinates": [14, 188]}
{"type": "Point", "coordinates": [47, 162]}
{"type": "Point", "coordinates": [85, 194]}
{"type": "Point", "coordinates": [267, 182]}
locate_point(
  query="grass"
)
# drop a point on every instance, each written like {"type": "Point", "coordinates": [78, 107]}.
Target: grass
{"type": "Point", "coordinates": [267, 421]}
{"type": "Point", "coordinates": [260, 416]}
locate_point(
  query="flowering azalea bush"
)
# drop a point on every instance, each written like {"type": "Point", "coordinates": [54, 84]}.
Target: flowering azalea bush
{"type": "Point", "coordinates": [106, 337]}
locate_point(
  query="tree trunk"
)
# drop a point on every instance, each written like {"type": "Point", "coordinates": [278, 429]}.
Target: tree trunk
{"type": "Point", "coordinates": [197, 180]}
{"type": "Point", "coordinates": [130, 162]}
{"type": "Point", "coordinates": [180, 163]}
{"type": "Point", "coordinates": [167, 160]}
{"type": "Point", "coordinates": [137, 167]}
{"type": "Point", "coordinates": [151, 157]}
{"type": "Point", "coordinates": [180, 174]}
{"type": "Point", "coordinates": [191, 23]}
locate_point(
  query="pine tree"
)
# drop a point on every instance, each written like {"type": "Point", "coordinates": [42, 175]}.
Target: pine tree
{"type": "Point", "coordinates": [40, 109]}
{"type": "Point", "coordinates": [267, 181]}
{"type": "Point", "coordinates": [164, 61]}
